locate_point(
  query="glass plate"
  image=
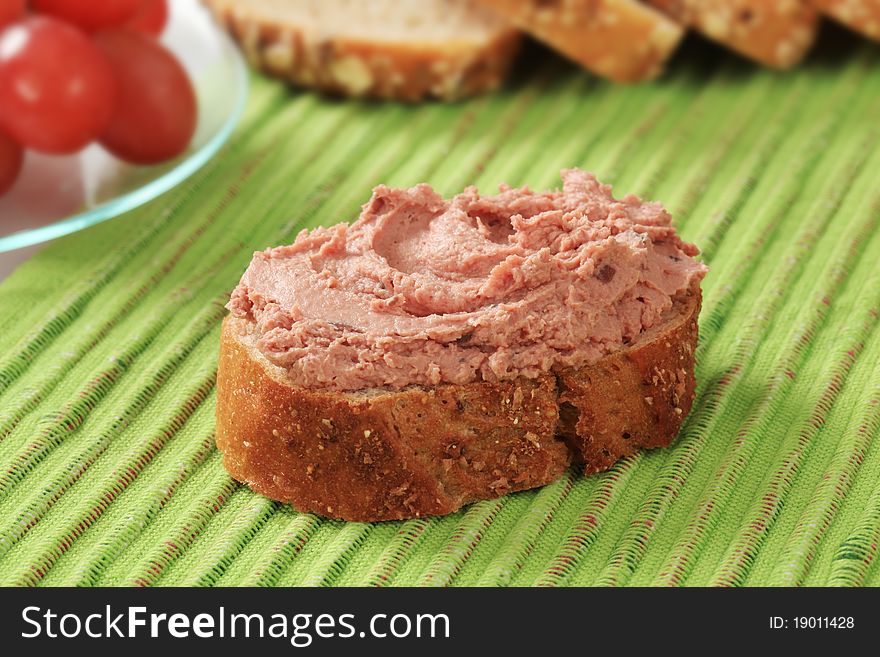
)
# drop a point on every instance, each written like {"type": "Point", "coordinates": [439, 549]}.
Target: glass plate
{"type": "Point", "coordinates": [57, 195]}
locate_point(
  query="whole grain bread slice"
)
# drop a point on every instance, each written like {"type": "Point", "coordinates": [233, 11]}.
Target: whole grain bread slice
{"type": "Point", "coordinates": [396, 49]}
{"type": "Point", "coordinates": [777, 33]}
{"type": "Point", "coordinates": [860, 15]}
{"type": "Point", "coordinates": [622, 40]}
{"type": "Point", "coordinates": [389, 454]}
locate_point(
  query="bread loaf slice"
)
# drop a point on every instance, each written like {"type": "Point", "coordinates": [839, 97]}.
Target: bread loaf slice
{"type": "Point", "coordinates": [860, 15]}
{"type": "Point", "coordinates": [622, 40]}
{"type": "Point", "coordinates": [776, 33]}
{"type": "Point", "coordinates": [387, 454]}
{"type": "Point", "coordinates": [397, 49]}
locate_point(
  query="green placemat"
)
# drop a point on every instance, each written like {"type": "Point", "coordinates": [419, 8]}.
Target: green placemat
{"type": "Point", "coordinates": [108, 344]}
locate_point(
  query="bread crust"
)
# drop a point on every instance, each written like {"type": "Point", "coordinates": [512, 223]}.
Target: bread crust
{"type": "Point", "coordinates": [406, 71]}
{"type": "Point", "coordinates": [633, 399]}
{"type": "Point", "coordinates": [394, 454]}
{"type": "Point", "coordinates": [860, 15]}
{"type": "Point", "coordinates": [777, 33]}
{"type": "Point", "coordinates": [622, 40]}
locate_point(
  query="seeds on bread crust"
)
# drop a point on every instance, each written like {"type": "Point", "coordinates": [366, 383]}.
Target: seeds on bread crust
{"type": "Point", "coordinates": [777, 33]}
{"type": "Point", "coordinates": [322, 49]}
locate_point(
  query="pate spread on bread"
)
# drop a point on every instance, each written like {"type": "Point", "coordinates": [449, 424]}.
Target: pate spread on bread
{"type": "Point", "coordinates": [422, 290]}
{"type": "Point", "coordinates": [435, 351]}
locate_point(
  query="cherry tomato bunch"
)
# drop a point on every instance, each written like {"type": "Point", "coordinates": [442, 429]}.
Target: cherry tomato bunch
{"type": "Point", "coordinates": [75, 72]}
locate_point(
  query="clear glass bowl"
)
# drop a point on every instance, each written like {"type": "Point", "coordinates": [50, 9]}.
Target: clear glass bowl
{"type": "Point", "coordinates": [57, 195]}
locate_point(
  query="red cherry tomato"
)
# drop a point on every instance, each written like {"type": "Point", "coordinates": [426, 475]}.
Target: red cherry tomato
{"type": "Point", "coordinates": [11, 156]}
{"type": "Point", "coordinates": [150, 18]}
{"type": "Point", "coordinates": [56, 88]}
{"type": "Point", "coordinates": [11, 11]}
{"type": "Point", "coordinates": [155, 115]}
{"type": "Point", "coordinates": [90, 15]}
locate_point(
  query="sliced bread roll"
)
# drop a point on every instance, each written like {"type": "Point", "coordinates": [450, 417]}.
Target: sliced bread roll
{"type": "Point", "coordinates": [622, 40]}
{"type": "Point", "coordinates": [384, 454]}
{"type": "Point", "coordinates": [397, 49]}
{"type": "Point", "coordinates": [776, 33]}
{"type": "Point", "coordinates": [860, 15]}
{"type": "Point", "coordinates": [441, 351]}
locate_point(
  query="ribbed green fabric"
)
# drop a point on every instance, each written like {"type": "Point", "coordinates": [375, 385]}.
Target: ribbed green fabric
{"type": "Point", "coordinates": [108, 345]}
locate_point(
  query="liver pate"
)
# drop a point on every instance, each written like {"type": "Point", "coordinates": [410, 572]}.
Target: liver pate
{"type": "Point", "coordinates": [423, 290]}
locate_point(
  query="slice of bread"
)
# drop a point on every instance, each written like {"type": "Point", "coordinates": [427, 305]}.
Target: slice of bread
{"type": "Point", "coordinates": [396, 49]}
{"type": "Point", "coordinates": [622, 40]}
{"type": "Point", "coordinates": [860, 15]}
{"type": "Point", "coordinates": [387, 454]}
{"type": "Point", "coordinates": [776, 33]}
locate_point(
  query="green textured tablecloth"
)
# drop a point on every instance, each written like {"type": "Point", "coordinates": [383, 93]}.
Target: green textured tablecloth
{"type": "Point", "coordinates": [108, 344]}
